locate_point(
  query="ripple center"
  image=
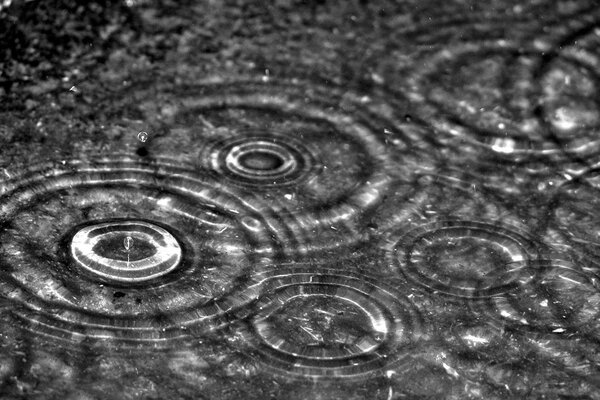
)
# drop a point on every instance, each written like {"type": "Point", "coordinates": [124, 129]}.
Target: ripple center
{"type": "Point", "coordinates": [126, 251]}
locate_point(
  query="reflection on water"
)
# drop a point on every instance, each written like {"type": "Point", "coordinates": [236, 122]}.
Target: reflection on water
{"type": "Point", "coordinates": [391, 201]}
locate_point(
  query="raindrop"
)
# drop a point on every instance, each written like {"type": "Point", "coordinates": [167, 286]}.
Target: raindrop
{"type": "Point", "coordinates": [142, 136]}
{"type": "Point", "coordinates": [128, 243]}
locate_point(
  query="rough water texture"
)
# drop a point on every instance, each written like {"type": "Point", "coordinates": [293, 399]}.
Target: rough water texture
{"type": "Point", "coordinates": [299, 199]}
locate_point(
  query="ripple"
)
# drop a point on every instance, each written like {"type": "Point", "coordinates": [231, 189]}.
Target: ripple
{"type": "Point", "coordinates": [572, 224]}
{"type": "Point", "coordinates": [436, 25]}
{"type": "Point", "coordinates": [471, 194]}
{"type": "Point", "coordinates": [261, 160]}
{"type": "Point", "coordinates": [465, 258]}
{"type": "Point", "coordinates": [88, 242]}
{"type": "Point", "coordinates": [579, 357]}
{"type": "Point", "coordinates": [328, 323]}
{"type": "Point", "coordinates": [67, 234]}
{"type": "Point", "coordinates": [509, 130]}
{"type": "Point", "coordinates": [322, 155]}
{"type": "Point", "coordinates": [13, 349]}
{"type": "Point", "coordinates": [479, 337]}
{"type": "Point", "coordinates": [507, 96]}
{"type": "Point", "coordinates": [562, 300]}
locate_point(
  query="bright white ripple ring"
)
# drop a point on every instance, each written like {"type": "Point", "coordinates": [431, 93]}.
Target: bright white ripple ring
{"type": "Point", "coordinates": [167, 256]}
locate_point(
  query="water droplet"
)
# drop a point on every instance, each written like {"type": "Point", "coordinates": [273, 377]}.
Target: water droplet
{"type": "Point", "coordinates": [128, 243]}
{"type": "Point", "coordinates": [142, 136]}
{"type": "Point", "coordinates": [91, 250]}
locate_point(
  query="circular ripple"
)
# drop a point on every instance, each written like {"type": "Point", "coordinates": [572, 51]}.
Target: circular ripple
{"type": "Point", "coordinates": [328, 323]}
{"type": "Point", "coordinates": [88, 248]}
{"type": "Point", "coordinates": [465, 258]}
{"type": "Point", "coordinates": [323, 155]}
{"type": "Point", "coordinates": [472, 114]}
{"type": "Point", "coordinates": [563, 299]}
{"type": "Point", "coordinates": [573, 222]}
{"type": "Point", "coordinates": [508, 95]}
{"type": "Point", "coordinates": [67, 232]}
{"type": "Point", "coordinates": [262, 160]}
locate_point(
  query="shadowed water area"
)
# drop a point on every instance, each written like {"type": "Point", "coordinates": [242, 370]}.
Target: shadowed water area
{"type": "Point", "coordinates": [299, 200]}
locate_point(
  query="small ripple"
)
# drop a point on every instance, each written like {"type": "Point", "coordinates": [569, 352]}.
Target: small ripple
{"type": "Point", "coordinates": [465, 258]}
{"type": "Point", "coordinates": [517, 97]}
{"type": "Point", "coordinates": [561, 300]}
{"type": "Point", "coordinates": [328, 323]}
{"type": "Point", "coordinates": [321, 154]}
{"type": "Point", "coordinates": [478, 337]}
{"type": "Point", "coordinates": [454, 194]}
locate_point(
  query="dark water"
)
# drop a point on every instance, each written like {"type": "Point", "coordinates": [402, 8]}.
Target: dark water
{"type": "Point", "coordinates": [312, 200]}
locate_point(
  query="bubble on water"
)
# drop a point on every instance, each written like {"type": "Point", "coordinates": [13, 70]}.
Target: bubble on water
{"type": "Point", "coordinates": [142, 136]}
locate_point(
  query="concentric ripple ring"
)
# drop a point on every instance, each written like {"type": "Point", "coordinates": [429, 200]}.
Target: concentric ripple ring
{"type": "Point", "coordinates": [328, 323]}
{"type": "Point", "coordinates": [323, 155]}
{"type": "Point", "coordinates": [166, 257]}
{"type": "Point", "coordinates": [263, 160]}
{"type": "Point", "coordinates": [465, 258]}
{"type": "Point", "coordinates": [563, 299]}
{"type": "Point", "coordinates": [521, 100]}
{"type": "Point", "coordinates": [144, 253]}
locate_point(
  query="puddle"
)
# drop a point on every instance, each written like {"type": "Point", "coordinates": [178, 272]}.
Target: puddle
{"type": "Point", "coordinates": [290, 200]}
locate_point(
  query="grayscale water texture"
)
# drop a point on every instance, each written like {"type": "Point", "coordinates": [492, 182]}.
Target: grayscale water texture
{"type": "Point", "coordinates": [300, 200]}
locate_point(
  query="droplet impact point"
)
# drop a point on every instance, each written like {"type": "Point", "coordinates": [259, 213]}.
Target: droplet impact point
{"type": "Point", "coordinates": [142, 136]}
{"type": "Point", "coordinates": [159, 252]}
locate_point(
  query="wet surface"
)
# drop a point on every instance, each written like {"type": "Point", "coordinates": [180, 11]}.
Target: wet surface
{"type": "Point", "coordinates": [299, 200]}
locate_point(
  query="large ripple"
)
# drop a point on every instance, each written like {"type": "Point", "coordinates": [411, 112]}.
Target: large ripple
{"type": "Point", "coordinates": [517, 96]}
{"type": "Point", "coordinates": [64, 288]}
{"type": "Point", "coordinates": [325, 323]}
{"type": "Point", "coordinates": [321, 155]}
